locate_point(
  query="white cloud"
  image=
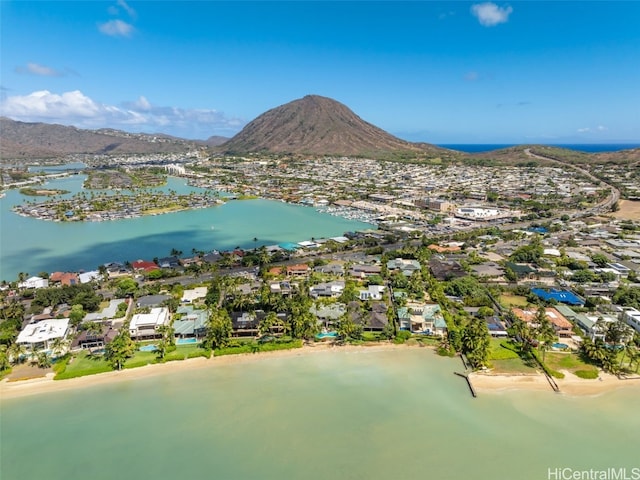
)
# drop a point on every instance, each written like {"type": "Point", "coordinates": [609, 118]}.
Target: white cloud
{"type": "Point", "coordinates": [127, 8]}
{"type": "Point", "coordinates": [75, 108]}
{"type": "Point", "coordinates": [599, 128]}
{"type": "Point", "coordinates": [116, 28]}
{"type": "Point", "coordinates": [489, 14]}
{"type": "Point", "coordinates": [41, 70]}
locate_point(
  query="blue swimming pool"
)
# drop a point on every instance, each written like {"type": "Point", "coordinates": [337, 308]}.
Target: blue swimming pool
{"type": "Point", "coordinates": [320, 336]}
{"type": "Point", "coordinates": [562, 346]}
{"type": "Point", "coordinates": [186, 341]}
{"type": "Point", "coordinates": [148, 348]}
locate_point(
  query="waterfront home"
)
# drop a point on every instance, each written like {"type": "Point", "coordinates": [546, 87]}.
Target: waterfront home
{"type": "Point", "coordinates": [328, 289]}
{"type": "Point", "coordinates": [144, 266]}
{"type": "Point", "coordinates": [422, 318]}
{"type": "Point", "coordinates": [169, 262]}
{"type": "Point", "coordinates": [34, 282]}
{"type": "Point", "coordinates": [328, 314]}
{"type": "Point", "coordinates": [88, 277]}
{"type": "Point", "coordinates": [191, 322]}
{"type": "Point", "coordinates": [147, 324]}
{"type": "Point", "coordinates": [64, 278]}
{"type": "Point", "coordinates": [37, 337]}
{"type": "Point", "coordinates": [561, 325]}
{"type": "Point", "coordinates": [373, 292]}
{"type": "Point", "coordinates": [374, 321]}
{"type": "Point", "coordinates": [89, 339]}
{"type": "Point", "coordinates": [244, 324]}
{"type": "Point", "coordinates": [189, 296]}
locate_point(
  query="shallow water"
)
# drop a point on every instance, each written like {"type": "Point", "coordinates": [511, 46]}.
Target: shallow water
{"type": "Point", "coordinates": [331, 415]}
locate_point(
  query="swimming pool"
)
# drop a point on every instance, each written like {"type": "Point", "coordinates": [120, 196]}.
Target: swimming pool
{"type": "Point", "coordinates": [186, 341]}
{"type": "Point", "coordinates": [320, 336]}
{"type": "Point", "coordinates": [148, 348]}
{"type": "Point", "coordinates": [561, 346]}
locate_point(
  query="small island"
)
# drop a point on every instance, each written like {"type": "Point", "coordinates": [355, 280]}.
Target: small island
{"type": "Point", "coordinates": [83, 207]}
{"type": "Point", "coordinates": [42, 192]}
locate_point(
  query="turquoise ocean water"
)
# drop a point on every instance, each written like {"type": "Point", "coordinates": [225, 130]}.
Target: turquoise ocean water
{"type": "Point", "coordinates": [32, 245]}
{"type": "Point", "coordinates": [398, 414]}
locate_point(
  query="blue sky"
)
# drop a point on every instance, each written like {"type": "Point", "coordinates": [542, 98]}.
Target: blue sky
{"type": "Point", "coordinates": [440, 72]}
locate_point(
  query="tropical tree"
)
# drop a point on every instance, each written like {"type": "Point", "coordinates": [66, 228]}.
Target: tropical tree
{"type": "Point", "coordinates": [120, 348]}
{"type": "Point", "coordinates": [544, 332]}
{"type": "Point", "coordinates": [58, 345]}
{"type": "Point", "coordinates": [475, 342]}
{"type": "Point", "coordinates": [16, 352]}
{"type": "Point", "coordinates": [43, 360]}
{"type": "Point", "coordinates": [219, 329]}
{"type": "Point", "coordinates": [348, 329]}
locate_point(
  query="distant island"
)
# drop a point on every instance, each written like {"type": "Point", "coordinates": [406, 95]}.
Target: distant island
{"type": "Point", "coordinates": [42, 192]}
{"type": "Point", "coordinates": [83, 207]}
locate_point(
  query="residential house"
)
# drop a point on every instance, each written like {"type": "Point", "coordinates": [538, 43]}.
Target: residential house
{"type": "Point", "coordinates": [328, 314]}
{"type": "Point", "coordinates": [299, 270]}
{"type": "Point", "coordinates": [189, 296]}
{"type": "Point", "coordinates": [443, 269]}
{"type": "Point", "coordinates": [631, 317]}
{"type": "Point", "coordinates": [561, 325]}
{"type": "Point", "coordinates": [147, 324]}
{"type": "Point", "coordinates": [144, 266]}
{"type": "Point", "coordinates": [34, 282]}
{"type": "Point", "coordinates": [333, 268]}
{"type": "Point", "coordinates": [406, 266]}
{"type": "Point", "coordinates": [88, 339]}
{"type": "Point", "coordinates": [244, 324]}
{"type": "Point", "coordinates": [327, 289]}
{"type": "Point", "coordinates": [64, 278]}
{"type": "Point", "coordinates": [169, 262]}
{"type": "Point", "coordinates": [422, 318]}
{"type": "Point", "coordinates": [37, 337]}
{"type": "Point", "coordinates": [283, 288]}
{"type": "Point", "coordinates": [373, 292]}
{"type": "Point", "coordinates": [190, 322]}
{"type": "Point", "coordinates": [88, 277]}
{"type": "Point", "coordinates": [107, 313]}
{"type": "Point", "coordinates": [150, 301]}
{"type": "Point", "coordinates": [364, 271]}
{"type": "Point", "coordinates": [375, 320]}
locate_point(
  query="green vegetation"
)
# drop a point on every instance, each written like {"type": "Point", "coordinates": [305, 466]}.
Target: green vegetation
{"type": "Point", "coordinates": [80, 365]}
{"type": "Point", "coordinates": [236, 348]}
{"type": "Point", "coordinates": [502, 350]}
{"type": "Point", "coordinates": [41, 192]}
{"type": "Point", "coordinates": [509, 300]}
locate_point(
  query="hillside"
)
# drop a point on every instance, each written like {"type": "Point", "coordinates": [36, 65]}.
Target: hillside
{"type": "Point", "coordinates": [320, 126]}
{"type": "Point", "coordinates": [23, 141]}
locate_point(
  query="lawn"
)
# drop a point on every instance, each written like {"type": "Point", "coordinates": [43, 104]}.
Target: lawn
{"type": "Point", "coordinates": [502, 349]}
{"type": "Point", "coordinates": [570, 362]}
{"type": "Point", "coordinates": [511, 366]}
{"type": "Point", "coordinates": [256, 347]}
{"type": "Point", "coordinates": [509, 300]}
{"type": "Point", "coordinates": [83, 364]}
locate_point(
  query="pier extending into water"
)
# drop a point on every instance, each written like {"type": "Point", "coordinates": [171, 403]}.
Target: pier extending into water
{"type": "Point", "coordinates": [466, 377]}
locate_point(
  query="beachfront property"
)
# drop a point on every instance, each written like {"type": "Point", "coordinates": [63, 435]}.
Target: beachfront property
{"type": "Point", "coordinates": [191, 322]}
{"type": "Point", "coordinates": [90, 339]}
{"type": "Point", "coordinates": [422, 318]}
{"type": "Point", "coordinates": [327, 315]}
{"type": "Point", "coordinates": [34, 282]}
{"type": "Point", "coordinates": [562, 326]}
{"type": "Point", "coordinates": [147, 324]}
{"type": "Point", "coordinates": [38, 337]}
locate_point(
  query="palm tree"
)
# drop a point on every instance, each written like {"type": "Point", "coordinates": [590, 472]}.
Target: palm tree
{"type": "Point", "coordinates": [16, 351]}
{"type": "Point", "coordinates": [58, 345]}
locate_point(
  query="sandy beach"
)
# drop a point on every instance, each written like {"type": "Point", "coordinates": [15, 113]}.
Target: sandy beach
{"type": "Point", "coordinates": [570, 384]}
{"type": "Point", "coordinates": [46, 384]}
{"type": "Point", "coordinates": [483, 382]}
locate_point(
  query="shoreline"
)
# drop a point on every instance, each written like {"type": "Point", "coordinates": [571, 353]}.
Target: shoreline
{"type": "Point", "coordinates": [569, 385]}
{"type": "Point", "coordinates": [483, 382]}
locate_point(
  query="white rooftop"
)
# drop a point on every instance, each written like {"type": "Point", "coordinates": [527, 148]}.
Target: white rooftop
{"type": "Point", "coordinates": [44, 331]}
{"type": "Point", "coordinates": [194, 294]}
{"type": "Point", "coordinates": [157, 317]}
